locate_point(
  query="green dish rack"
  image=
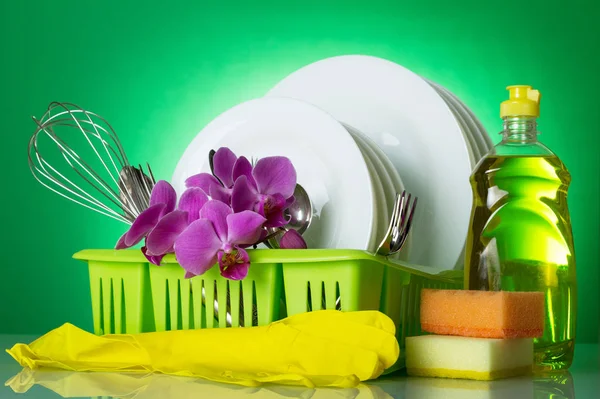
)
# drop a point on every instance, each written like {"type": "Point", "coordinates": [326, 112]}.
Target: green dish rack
{"type": "Point", "coordinates": [129, 295]}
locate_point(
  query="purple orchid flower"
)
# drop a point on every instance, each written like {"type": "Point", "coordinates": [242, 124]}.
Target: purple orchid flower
{"type": "Point", "coordinates": [268, 191]}
{"type": "Point", "coordinates": [219, 236]}
{"type": "Point", "coordinates": [162, 201]}
{"type": "Point", "coordinates": [161, 239]}
{"type": "Point", "coordinates": [227, 168]}
{"type": "Point", "coordinates": [291, 239]}
{"type": "Point", "coordinates": [160, 224]}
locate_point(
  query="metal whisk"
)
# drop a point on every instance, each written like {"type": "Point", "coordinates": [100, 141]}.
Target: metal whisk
{"type": "Point", "coordinates": [112, 186]}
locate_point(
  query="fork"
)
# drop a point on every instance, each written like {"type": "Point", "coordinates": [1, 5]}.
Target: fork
{"type": "Point", "coordinates": [400, 224]}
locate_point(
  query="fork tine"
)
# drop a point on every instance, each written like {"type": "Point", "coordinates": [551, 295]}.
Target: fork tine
{"type": "Point", "coordinates": [399, 209]}
{"type": "Point", "coordinates": [386, 243]}
{"type": "Point", "coordinates": [406, 224]}
{"type": "Point", "coordinates": [405, 209]}
{"type": "Point", "coordinates": [400, 205]}
{"type": "Point", "coordinates": [410, 216]}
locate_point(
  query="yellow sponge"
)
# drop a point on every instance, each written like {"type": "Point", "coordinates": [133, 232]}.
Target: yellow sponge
{"type": "Point", "coordinates": [466, 357]}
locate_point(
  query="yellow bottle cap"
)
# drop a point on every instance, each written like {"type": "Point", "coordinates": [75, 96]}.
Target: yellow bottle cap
{"type": "Point", "coordinates": [522, 101]}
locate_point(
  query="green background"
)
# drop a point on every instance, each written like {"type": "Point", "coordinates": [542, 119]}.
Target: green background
{"type": "Point", "coordinates": [161, 70]}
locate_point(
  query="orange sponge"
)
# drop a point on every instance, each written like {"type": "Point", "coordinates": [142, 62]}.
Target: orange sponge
{"type": "Point", "coordinates": [483, 314]}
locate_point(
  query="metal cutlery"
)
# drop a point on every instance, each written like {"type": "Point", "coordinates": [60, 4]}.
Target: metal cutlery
{"type": "Point", "coordinates": [400, 224]}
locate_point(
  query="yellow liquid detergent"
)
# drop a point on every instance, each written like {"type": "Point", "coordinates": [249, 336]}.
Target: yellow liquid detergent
{"type": "Point", "coordinates": [520, 237]}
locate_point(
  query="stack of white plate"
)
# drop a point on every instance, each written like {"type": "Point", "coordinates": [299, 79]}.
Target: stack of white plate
{"type": "Point", "coordinates": [360, 129]}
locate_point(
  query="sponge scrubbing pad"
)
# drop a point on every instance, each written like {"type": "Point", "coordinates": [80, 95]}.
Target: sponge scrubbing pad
{"type": "Point", "coordinates": [465, 357]}
{"type": "Point", "coordinates": [484, 314]}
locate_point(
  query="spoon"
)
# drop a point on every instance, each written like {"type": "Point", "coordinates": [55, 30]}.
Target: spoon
{"type": "Point", "coordinates": [299, 214]}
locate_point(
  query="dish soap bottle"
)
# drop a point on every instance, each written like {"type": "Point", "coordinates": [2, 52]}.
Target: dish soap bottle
{"type": "Point", "coordinates": [520, 235]}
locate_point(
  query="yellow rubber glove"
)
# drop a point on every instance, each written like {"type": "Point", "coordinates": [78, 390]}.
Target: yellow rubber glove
{"type": "Point", "coordinates": [321, 348]}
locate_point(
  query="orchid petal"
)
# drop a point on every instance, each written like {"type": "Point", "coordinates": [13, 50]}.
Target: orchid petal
{"type": "Point", "coordinates": [234, 265]}
{"type": "Point", "coordinates": [163, 236]}
{"type": "Point", "coordinates": [121, 243]}
{"type": "Point", "coordinates": [196, 248]}
{"type": "Point", "coordinates": [223, 162]}
{"type": "Point", "coordinates": [243, 195]}
{"type": "Point", "coordinates": [217, 213]}
{"type": "Point", "coordinates": [263, 235]}
{"type": "Point", "coordinates": [291, 239]}
{"type": "Point", "coordinates": [189, 275]}
{"type": "Point", "coordinates": [142, 225]}
{"type": "Point", "coordinates": [154, 259]}
{"type": "Point", "coordinates": [243, 167]}
{"type": "Point", "coordinates": [163, 193]}
{"type": "Point", "coordinates": [272, 207]}
{"type": "Point", "coordinates": [289, 202]}
{"type": "Point", "coordinates": [202, 180]}
{"type": "Point", "coordinates": [191, 201]}
{"type": "Point", "coordinates": [244, 228]}
{"type": "Point", "coordinates": [221, 193]}
{"type": "Point", "coordinates": [276, 219]}
{"type": "Point", "coordinates": [275, 175]}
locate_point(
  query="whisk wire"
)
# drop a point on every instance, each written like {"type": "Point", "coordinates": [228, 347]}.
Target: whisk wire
{"type": "Point", "coordinates": [70, 155]}
{"type": "Point", "coordinates": [124, 190]}
{"type": "Point", "coordinates": [43, 170]}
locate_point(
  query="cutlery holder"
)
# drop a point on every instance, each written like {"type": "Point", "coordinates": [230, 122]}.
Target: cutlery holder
{"type": "Point", "coordinates": [129, 295]}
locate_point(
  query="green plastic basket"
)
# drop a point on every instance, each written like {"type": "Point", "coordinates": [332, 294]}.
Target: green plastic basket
{"type": "Point", "coordinates": [129, 295]}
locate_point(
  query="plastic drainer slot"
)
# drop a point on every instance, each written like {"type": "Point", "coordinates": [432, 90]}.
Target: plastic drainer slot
{"type": "Point", "coordinates": [111, 305]}
{"type": "Point", "coordinates": [177, 306]}
{"type": "Point", "coordinates": [322, 297]}
{"type": "Point", "coordinates": [308, 297]}
{"type": "Point", "coordinates": [200, 311]}
{"type": "Point", "coordinates": [238, 311]}
{"type": "Point", "coordinates": [121, 301]}
{"type": "Point", "coordinates": [313, 286]}
{"type": "Point", "coordinates": [250, 302]}
{"type": "Point", "coordinates": [228, 304]}
{"type": "Point", "coordinates": [97, 309]}
{"type": "Point", "coordinates": [122, 319]}
{"type": "Point", "coordinates": [167, 307]}
{"type": "Point", "coordinates": [216, 295]}
{"type": "Point", "coordinates": [338, 297]}
{"type": "Point", "coordinates": [190, 306]}
{"type": "Point", "coordinates": [255, 313]}
{"type": "Point", "coordinates": [107, 307]}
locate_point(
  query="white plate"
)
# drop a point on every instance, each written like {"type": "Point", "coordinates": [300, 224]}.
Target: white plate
{"type": "Point", "coordinates": [476, 141]}
{"type": "Point", "coordinates": [390, 180]}
{"type": "Point", "coordinates": [417, 131]}
{"type": "Point", "coordinates": [339, 186]}
{"type": "Point", "coordinates": [397, 183]}
{"type": "Point", "coordinates": [474, 153]}
{"type": "Point", "coordinates": [482, 138]}
{"type": "Point", "coordinates": [481, 132]}
{"type": "Point", "coordinates": [380, 212]}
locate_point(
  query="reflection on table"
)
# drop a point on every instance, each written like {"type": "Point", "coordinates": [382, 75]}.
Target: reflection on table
{"type": "Point", "coordinates": [155, 386]}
